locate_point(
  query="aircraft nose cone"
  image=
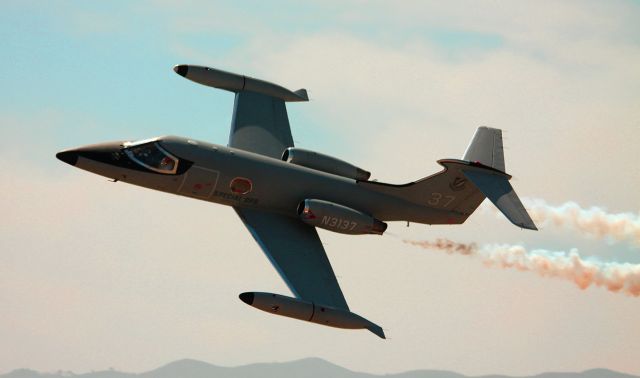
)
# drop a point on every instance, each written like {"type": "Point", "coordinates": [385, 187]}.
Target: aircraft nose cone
{"type": "Point", "coordinates": [69, 157]}
{"type": "Point", "coordinates": [107, 153]}
{"type": "Point", "coordinates": [246, 298]}
{"type": "Point", "coordinates": [181, 69]}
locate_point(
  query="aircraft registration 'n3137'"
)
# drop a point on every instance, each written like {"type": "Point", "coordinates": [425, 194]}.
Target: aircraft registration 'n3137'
{"type": "Point", "coordinates": [320, 191]}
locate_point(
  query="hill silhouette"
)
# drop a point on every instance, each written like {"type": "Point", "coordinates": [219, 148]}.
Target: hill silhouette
{"type": "Point", "coordinates": [305, 368]}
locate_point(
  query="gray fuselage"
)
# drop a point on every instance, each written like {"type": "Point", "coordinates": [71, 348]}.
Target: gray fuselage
{"type": "Point", "coordinates": [275, 185]}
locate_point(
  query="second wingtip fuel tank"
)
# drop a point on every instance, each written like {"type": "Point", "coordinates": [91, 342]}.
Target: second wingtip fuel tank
{"type": "Point", "coordinates": [309, 311]}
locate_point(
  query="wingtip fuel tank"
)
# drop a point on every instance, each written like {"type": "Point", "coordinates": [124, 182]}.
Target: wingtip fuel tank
{"type": "Point", "coordinates": [308, 311]}
{"type": "Point", "coordinates": [229, 81]}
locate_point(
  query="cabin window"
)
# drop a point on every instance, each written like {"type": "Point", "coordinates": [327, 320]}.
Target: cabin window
{"type": "Point", "coordinates": [153, 157]}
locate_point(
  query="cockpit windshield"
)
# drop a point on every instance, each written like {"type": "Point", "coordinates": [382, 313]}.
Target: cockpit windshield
{"type": "Point", "coordinates": [151, 156]}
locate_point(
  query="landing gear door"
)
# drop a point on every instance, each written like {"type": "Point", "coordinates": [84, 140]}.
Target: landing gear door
{"type": "Point", "coordinates": [199, 182]}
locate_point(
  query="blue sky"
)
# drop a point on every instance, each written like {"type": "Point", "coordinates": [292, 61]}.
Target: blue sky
{"type": "Point", "coordinates": [393, 88]}
{"type": "Point", "coordinates": [70, 57]}
{"type": "Point", "coordinates": [63, 61]}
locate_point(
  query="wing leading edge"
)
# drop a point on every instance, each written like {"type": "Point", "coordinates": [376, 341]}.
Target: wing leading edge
{"type": "Point", "coordinates": [295, 250]}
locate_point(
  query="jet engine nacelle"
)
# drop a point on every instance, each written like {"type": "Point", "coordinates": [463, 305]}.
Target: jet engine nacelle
{"type": "Point", "coordinates": [324, 163]}
{"type": "Point", "coordinates": [309, 311]}
{"type": "Point", "coordinates": [338, 218]}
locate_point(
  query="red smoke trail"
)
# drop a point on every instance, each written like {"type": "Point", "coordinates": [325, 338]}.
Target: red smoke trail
{"type": "Point", "coordinates": [595, 221]}
{"type": "Point", "coordinates": [616, 277]}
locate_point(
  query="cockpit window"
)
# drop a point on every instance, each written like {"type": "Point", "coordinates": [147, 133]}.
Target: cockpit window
{"type": "Point", "coordinates": [152, 156]}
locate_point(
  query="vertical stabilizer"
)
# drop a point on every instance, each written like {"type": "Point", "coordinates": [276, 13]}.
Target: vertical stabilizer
{"type": "Point", "coordinates": [452, 195]}
{"type": "Point", "coordinates": [486, 148]}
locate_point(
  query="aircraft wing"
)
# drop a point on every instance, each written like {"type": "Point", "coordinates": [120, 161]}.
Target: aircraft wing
{"type": "Point", "coordinates": [260, 124]}
{"type": "Point", "coordinates": [295, 250]}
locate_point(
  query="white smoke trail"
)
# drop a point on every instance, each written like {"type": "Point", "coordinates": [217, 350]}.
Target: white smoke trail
{"type": "Point", "coordinates": [616, 277]}
{"type": "Point", "coordinates": [594, 221]}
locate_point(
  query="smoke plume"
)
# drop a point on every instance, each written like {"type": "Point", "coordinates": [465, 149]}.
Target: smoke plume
{"type": "Point", "coordinates": [594, 222]}
{"type": "Point", "coordinates": [615, 277]}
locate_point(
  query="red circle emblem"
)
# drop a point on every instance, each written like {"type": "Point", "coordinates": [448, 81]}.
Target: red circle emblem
{"type": "Point", "coordinates": [241, 185]}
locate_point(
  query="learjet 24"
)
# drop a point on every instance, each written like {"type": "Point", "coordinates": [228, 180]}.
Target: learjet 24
{"type": "Point", "coordinates": [282, 193]}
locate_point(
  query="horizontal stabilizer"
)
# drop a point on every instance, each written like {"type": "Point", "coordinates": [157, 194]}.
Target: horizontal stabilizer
{"type": "Point", "coordinates": [377, 330]}
{"type": "Point", "coordinates": [497, 188]}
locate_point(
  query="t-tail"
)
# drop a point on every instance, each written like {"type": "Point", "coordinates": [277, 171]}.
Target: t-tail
{"type": "Point", "coordinates": [452, 195]}
{"type": "Point", "coordinates": [486, 155]}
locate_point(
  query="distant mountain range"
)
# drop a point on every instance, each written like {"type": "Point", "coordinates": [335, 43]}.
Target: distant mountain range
{"type": "Point", "coordinates": [306, 368]}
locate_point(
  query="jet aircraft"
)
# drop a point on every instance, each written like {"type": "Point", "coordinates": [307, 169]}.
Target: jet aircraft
{"type": "Point", "coordinates": [283, 193]}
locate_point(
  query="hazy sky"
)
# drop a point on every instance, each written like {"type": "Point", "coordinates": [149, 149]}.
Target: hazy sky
{"type": "Point", "coordinates": [95, 274]}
